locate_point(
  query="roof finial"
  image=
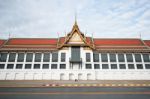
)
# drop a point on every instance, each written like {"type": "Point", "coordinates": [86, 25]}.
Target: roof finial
{"type": "Point", "coordinates": [75, 18]}
{"type": "Point", "coordinates": [140, 36]}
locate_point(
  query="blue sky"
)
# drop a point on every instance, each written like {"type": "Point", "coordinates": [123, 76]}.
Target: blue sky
{"type": "Point", "coordinates": [102, 18]}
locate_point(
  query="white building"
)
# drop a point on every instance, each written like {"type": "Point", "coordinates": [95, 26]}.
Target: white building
{"type": "Point", "coordinates": [74, 57]}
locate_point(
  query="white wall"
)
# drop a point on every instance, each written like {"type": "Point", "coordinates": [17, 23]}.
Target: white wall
{"type": "Point", "coordinates": [94, 75]}
{"type": "Point", "coordinates": [85, 74]}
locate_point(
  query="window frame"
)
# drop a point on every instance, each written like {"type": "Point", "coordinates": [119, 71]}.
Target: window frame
{"type": "Point", "coordinates": [104, 65]}
{"type": "Point", "coordinates": [88, 57]}
{"type": "Point", "coordinates": [4, 58]}
{"type": "Point", "coordinates": [46, 57]}
{"type": "Point", "coordinates": [44, 67]}
{"type": "Point", "coordinates": [20, 59]}
{"type": "Point", "coordinates": [12, 58]}
{"type": "Point", "coordinates": [28, 59]}
{"type": "Point", "coordinates": [2, 65]}
{"type": "Point", "coordinates": [19, 67]}
{"type": "Point", "coordinates": [147, 58]}
{"type": "Point", "coordinates": [104, 57]}
{"type": "Point", "coordinates": [10, 66]}
{"type": "Point", "coordinates": [129, 59]}
{"type": "Point", "coordinates": [37, 66]}
{"type": "Point", "coordinates": [62, 66]}
{"type": "Point", "coordinates": [121, 57]}
{"type": "Point", "coordinates": [38, 57]}
{"type": "Point", "coordinates": [137, 57]}
{"type": "Point", "coordinates": [53, 58]}
{"type": "Point", "coordinates": [63, 57]}
{"type": "Point", "coordinates": [54, 65]}
{"type": "Point", "coordinates": [95, 57]}
{"type": "Point", "coordinates": [96, 66]}
{"type": "Point", "coordinates": [112, 57]}
{"type": "Point", "coordinates": [28, 67]}
{"type": "Point", "coordinates": [113, 66]}
{"type": "Point", "coordinates": [88, 66]}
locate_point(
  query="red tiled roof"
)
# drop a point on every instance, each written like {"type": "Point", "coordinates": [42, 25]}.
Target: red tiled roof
{"type": "Point", "coordinates": [29, 46]}
{"type": "Point", "coordinates": [22, 41]}
{"type": "Point", "coordinates": [2, 42]}
{"type": "Point", "coordinates": [51, 44]}
{"type": "Point", "coordinates": [121, 47]}
{"type": "Point", "coordinates": [88, 39]}
{"type": "Point", "coordinates": [147, 42]}
{"type": "Point", "coordinates": [117, 42]}
{"type": "Point", "coordinates": [61, 40]}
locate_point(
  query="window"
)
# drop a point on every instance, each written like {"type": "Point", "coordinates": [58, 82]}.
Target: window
{"type": "Point", "coordinates": [88, 57]}
{"type": "Point", "coordinates": [55, 57]}
{"type": "Point", "coordinates": [121, 58]}
{"type": "Point", "coordinates": [122, 66]}
{"type": "Point", "coordinates": [3, 57]}
{"type": "Point", "coordinates": [20, 57]}
{"type": "Point", "coordinates": [54, 66]}
{"type": "Point", "coordinates": [12, 57]}
{"type": "Point", "coordinates": [45, 66]}
{"type": "Point", "coordinates": [19, 66]}
{"type": "Point", "coordinates": [138, 58]}
{"type": "Point", "coordinates": [62, 66]}
{"type": "Point", "coordinates": [96, 57]}
{"type": "Point", "coordinates": [146, 58]}
{"type": "Point", "coordinates": [37, 57]}
{"type": "Point", "coordinates": [129, 57]}
{"type": "Point", "coordinates": [113, 66]}
{"type": "Point", "coordinates": [112, 57]}
{"type": "Point", "coordinates": [147, 66]}
{"type": "Point", "coordinates": [27, 66]}
{"type": "Point", "coordinates": [2, 66]}
{"type": "Point", "coordinates": [130, 66]}
{"type": "Point", "coordinates": [105, 66]}
{"type": "Point", "coordinates": [104, 57]}
{"type": "Point", "coordinates": [88, 66]}
{"type": "Point", "coordinates": [139, 66]}
{"type": "Point", "coordinates": [10, 66]}
{"type": "Point", "coordinates": [36, 66]}
{"type": "Point", "coordinates": [29, 57]}
{"type": "Point", "coordinates": [96, 66]}
{"type": "Point", "coordinates": [46, 57]}
{"type": "Point", "coordinates": [63, 57]}
{"type": "Point", "coordinates": [75, 54]}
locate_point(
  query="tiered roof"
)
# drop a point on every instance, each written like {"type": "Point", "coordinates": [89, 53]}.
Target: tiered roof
{"type": "Point", "coordinates": [30, 44]}
{"type": "Point", "coordinates": [98, 44]}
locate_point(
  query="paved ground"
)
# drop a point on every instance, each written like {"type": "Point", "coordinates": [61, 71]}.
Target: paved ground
{"type": "Point", "coordinates": [76, 93]}
{"type": "Point", "coordinates": [101, 83]}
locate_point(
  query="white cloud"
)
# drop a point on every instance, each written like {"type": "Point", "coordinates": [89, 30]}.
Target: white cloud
{"type": "Point", "coordinates": [46, 18]}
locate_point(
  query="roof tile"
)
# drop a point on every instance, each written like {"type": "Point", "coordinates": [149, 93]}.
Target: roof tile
{"type": "Point", "coordinates": [16, 41]}
{"type": "Point", "coordinates": [117, 42]}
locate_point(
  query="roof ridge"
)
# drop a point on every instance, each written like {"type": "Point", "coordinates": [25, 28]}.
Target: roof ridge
{"type": "Point", "coordinates": [33, 38]}
{"type": "Point", "coordinates": [118, 38]}
{"type": "Point", "coordinates": [4, 43]}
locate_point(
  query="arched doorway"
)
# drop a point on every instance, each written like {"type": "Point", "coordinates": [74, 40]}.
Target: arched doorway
{"type": "Point", "coordinates": [16, 76]}
{"type": "Point", "coordinates": [80, 76]}
{"type": "Point", "coordinates": [62, 76]}
{"type": "Point", "coordinates": [8, 76]}
{"type": "Point", "coordinates": [89, 76]}
{"type": "Point", "coordinates": [71, 76]}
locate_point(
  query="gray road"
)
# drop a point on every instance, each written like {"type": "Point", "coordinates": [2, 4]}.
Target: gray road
{"type": "Point", "coordinates": [75, 93]}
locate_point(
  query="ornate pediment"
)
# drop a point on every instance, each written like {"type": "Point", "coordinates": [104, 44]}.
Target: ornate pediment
{"type": "Point", "coordinates": [75, 38]}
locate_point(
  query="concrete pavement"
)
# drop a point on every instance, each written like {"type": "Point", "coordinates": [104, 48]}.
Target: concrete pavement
{"type": "Point", "coordinates": [55, 83]}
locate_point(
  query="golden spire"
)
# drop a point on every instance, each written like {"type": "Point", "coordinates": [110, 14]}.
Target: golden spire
{"type": "Point", "coordinates": [75, 19]}
{"type": "Point", "coordinates": [75, 26]}
{"type": "Point", "coordinates": [75, 23]}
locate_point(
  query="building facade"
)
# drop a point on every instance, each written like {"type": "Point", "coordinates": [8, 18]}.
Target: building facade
{"type": "Point", "coordinates": [74, 56]}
